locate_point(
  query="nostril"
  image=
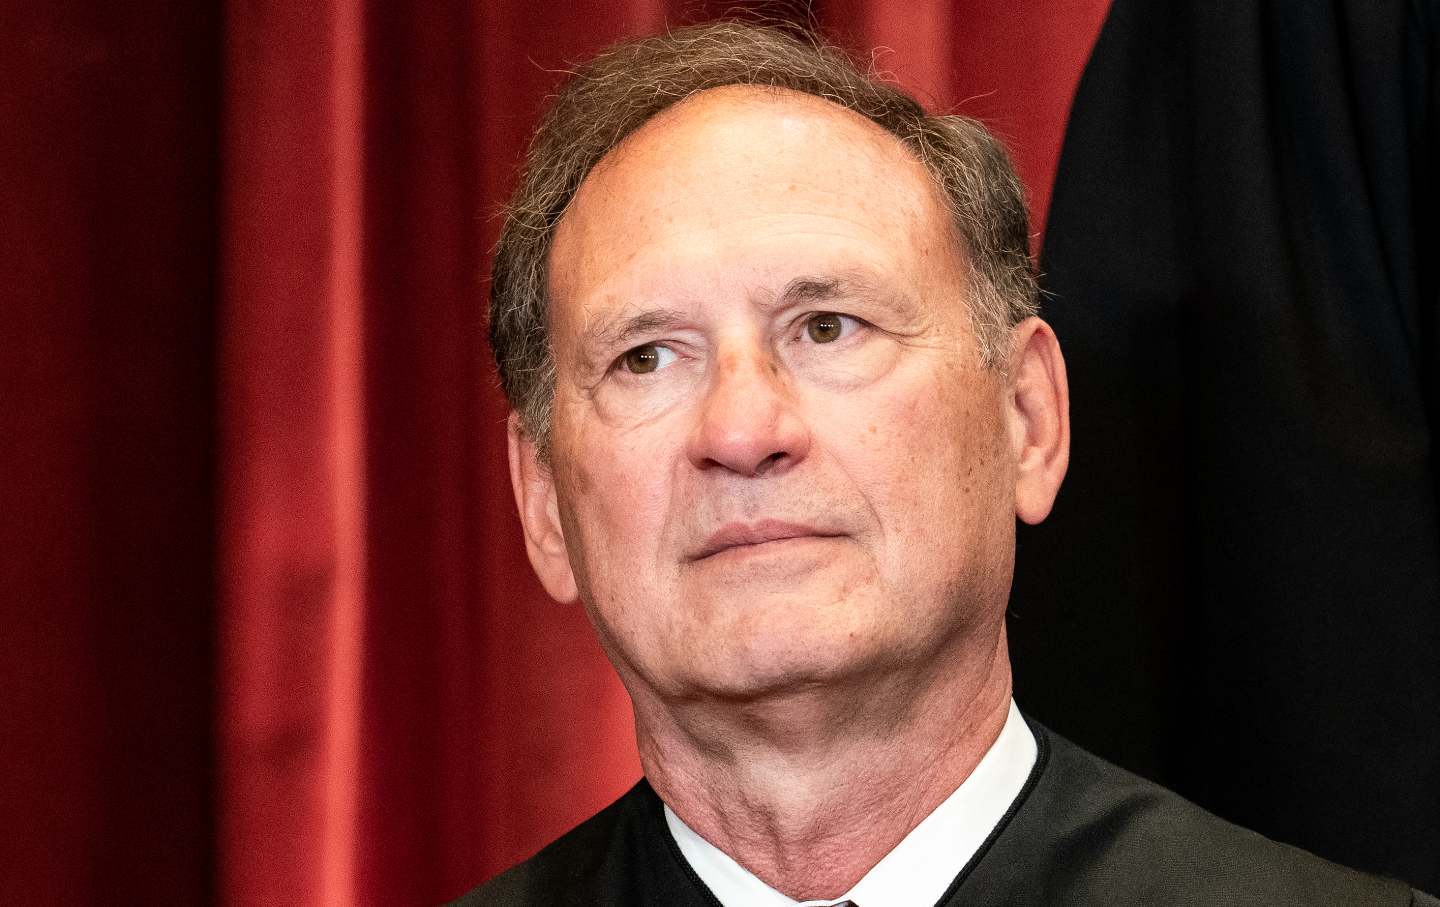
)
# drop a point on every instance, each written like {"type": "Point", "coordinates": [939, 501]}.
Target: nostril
{"type": "Point", "coordinates": [769, 462]}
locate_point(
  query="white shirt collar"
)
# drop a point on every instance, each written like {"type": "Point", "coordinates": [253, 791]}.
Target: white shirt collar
{"type": "Point", "coordinates": [921, 867]}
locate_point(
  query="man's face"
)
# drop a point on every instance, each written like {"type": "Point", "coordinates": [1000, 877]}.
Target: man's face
{"type": "Point", "coordinates": [777, 459]}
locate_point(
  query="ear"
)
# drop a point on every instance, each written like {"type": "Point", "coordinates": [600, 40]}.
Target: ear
{"type": "Point", "coordinates": [1039, 415]}
{"type": "Point", "coordinates": [534, 490]}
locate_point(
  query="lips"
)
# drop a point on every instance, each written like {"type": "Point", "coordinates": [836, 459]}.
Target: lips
{"type": "Point", "coordinates": [738, 535]}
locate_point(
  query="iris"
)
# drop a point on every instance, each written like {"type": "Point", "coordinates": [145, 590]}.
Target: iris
{"type": "Point", "coordinates": [824, 327]}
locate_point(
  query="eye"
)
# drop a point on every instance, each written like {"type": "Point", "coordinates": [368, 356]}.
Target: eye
{"type": "Point", "coordinates": [828, 327]}
{"type": "Point", "coordinates": [647, 358]}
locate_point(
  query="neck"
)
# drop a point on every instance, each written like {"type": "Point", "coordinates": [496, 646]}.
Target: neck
{"type": "Point", "coordinates": [809, 789]}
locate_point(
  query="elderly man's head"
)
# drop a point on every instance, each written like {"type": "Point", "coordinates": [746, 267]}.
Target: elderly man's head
{"type": "Point", "coordinates": [628, 85]}
{"type": "Point", "coordinates": [796, 400]}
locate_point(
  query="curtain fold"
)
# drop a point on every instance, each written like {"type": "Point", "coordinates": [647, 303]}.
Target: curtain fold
{"type": "Point", "coordinates": [108, 140]}
{"type": "Point", "coordinates": [293, 506]}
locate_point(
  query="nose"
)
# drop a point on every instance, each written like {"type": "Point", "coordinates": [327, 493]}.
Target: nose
{"type": "Point", "coordinates": [749, 421]}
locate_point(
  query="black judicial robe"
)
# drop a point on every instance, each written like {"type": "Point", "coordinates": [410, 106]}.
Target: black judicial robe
{"type": "Point", "coordinates": [1081, 832]}
{"type": "Point", "coordinates": [1238, 592]}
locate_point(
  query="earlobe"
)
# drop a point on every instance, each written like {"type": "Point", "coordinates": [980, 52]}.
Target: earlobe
{"type": "Point", "coordinates": [534, 489]}
{"type": "Point", "coordinates": [1040, 418]}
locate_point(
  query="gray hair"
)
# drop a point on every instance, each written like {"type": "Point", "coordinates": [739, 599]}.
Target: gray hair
{"type": "Point", "coordinates": [629, 83]}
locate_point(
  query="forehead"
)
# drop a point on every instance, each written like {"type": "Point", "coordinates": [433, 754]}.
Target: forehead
{"type": "Point", "coordinates": [734, 174]}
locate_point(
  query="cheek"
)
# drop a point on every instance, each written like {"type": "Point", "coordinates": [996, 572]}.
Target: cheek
{"type": "Point", "coordinates": [637, 404]}
{"type": "Point", "coordinates": [933, 458]}
{"type": "Point", "coordinates": [614, 488]}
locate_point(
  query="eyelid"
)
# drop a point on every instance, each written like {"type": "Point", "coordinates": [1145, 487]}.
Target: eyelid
{"type": "Point", "coordinates": [618, 364]}
{"type": "Point", "coordinates": [855, 323]}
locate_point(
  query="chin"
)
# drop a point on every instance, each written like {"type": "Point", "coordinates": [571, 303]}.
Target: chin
{"type": "Point", "coordinates": [787, 660]}
{"type": "Point", "coordinates": [761, 683]}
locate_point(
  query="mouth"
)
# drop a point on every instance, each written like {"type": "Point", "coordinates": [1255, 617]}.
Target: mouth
{"type": "Point", "coordinates": [750, 536]}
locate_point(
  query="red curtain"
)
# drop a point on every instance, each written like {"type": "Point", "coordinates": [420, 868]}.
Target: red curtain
{"type": "Point", "coordinates": [272, 637]}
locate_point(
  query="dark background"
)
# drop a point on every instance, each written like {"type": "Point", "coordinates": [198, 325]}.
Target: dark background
{"type": "Point", "coordinates": [1239, 593]}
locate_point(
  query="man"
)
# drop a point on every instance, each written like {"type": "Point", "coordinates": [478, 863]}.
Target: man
{"type": "Point", "coordinates": [779, 396]}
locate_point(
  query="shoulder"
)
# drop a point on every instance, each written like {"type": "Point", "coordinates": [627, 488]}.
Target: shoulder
{"type": "Point", "coordinates": [1093, 831]}
{"type": "Point", "coordinates": [587, 861]}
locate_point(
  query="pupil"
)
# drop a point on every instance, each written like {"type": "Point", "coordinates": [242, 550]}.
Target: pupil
{"type": "Point", "coordinates": [643, 359]}
{"type": "Point", "coordinates": [824, 328]}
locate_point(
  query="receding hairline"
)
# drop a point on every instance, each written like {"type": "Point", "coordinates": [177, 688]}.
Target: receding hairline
{"type": "Point", "coordinates": [881, 147]}
{"type": "Point", "coordinates": [880, 138]}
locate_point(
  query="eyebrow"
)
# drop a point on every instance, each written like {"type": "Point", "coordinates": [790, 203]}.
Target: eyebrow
{"type": "Point", "coordinates": [814, 289]}
{"type": "Point", "coordinates": [852, 284]}
{"type": "Point", "coordinates": [614, 332]}
{"type": "Point", "coordinates": [858, 285]}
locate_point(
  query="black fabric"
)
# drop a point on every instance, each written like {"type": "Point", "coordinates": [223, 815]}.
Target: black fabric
{"type": "Point", "coordinates": [1238, 593]}
{"type": "Point", "coordinates": [624, 855]}
{"type": "Point", "coordinates": [1081, 832]}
